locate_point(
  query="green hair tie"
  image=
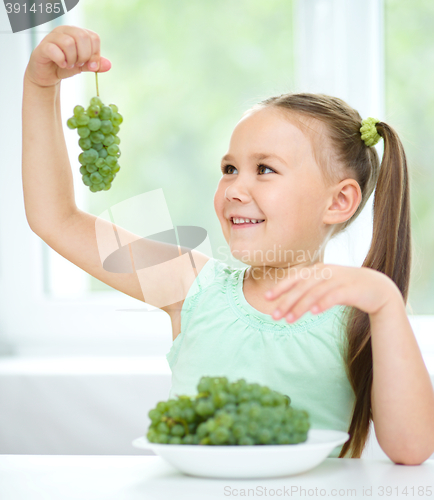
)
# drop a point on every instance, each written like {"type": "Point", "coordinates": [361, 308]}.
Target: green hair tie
{"type": "Point", "coordinates": [369, 131]}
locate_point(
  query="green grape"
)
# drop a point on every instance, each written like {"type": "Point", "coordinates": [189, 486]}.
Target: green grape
{"type": "Point", "coordinates": [97, 146]}
{"type": "Point", "coordinates": [83, 170]}
{"type": "Point", "coordinates": [72, 122]}
{"type": "Point", "coordinates": [93, 111]}
{"type": "Point", "coordinates": [90, 156]}
{"type": "Point", "coordinates": [94, 124]}
{"type": "Point", "coordinates": [117, 119]}
{"type": "Point", "coordinates": [114, 108]}
{"type": "Point", "coordinates": [85, 143]}
{"type": "Point", "coordinates": [91, 167]}
{"type": "Point", "coordinates": [116, 129]}
{"type": "Point", "coordinates": [81, 159]}
{"type": "Point", "coordinates": [96, 101]}
{"type": "Point", "coordinates": [113, 149]}
{"type": "Point", "coordinates": [188, 439]}
{"type": "Point", "coordinates": [111, 160]}
{"type": "Point", "coordinates": [99, 163]}
{"type": "Point", "coordinates": [178, 430]}
{"type": "Point", "coordinates": [83, 132]}
{"type": "Point", "coordinates": [96, 136]}
{"type": "Point", "coordinates": [78, 110]}
{"type": "Point", "coordinates": [106, 113]}
{"type": "Point", "coordinates": [86, 180]}
{"type": "Point", "coordinates": [96, 178]}
{"type": "Point", "coordinates": [162, 439]}
{"type": "Point", "coordinates": [108, 140]}
{"type": "Point", "coordinates": [105, 170]}
{"type": "Point", "coordinates": [103, 153]}
{"type": "Point", "coordinates": [107, 187]}
{"type": "Point", "coordinates": [94, 190]}
{"type": "Point", "coordinates": [246, 441]}
{"type": "Point", "coordinates": [106, 126]}
{"type": "Point", "coordinates": [162, 406]}
{"type": "Point", "coordinates": [82, 120]}
{"type": "Point", "coordinates": [117, 140]}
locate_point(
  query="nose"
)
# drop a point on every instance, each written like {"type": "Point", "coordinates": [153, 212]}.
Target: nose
{"type": "Point", "coordinates": [238, 190]}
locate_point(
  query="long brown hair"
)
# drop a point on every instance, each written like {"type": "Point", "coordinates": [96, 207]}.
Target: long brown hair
{"type": "Point", "coordinates": [390, 250]}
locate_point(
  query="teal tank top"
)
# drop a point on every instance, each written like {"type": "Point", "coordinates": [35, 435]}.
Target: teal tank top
{"type": "Point", "coordinates": [222, 335]}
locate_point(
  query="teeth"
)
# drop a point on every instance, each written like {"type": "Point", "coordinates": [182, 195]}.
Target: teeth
{"type": "Point", "coordinates": [241, 221]}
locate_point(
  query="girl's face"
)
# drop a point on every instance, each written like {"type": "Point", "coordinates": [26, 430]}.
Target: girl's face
{"type": "Point", "coordinates": [270, 173]}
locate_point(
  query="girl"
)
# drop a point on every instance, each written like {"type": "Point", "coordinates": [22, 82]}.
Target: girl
{"type": "Point", "coordinates": [299, 170]}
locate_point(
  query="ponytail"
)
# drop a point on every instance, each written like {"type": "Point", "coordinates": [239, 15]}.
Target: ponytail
{"type": "Point", "coordinates": [389, 253]}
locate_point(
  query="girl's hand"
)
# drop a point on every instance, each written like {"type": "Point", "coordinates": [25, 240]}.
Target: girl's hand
{"type": "Point", "coordinates": [321, 286]}
{"type": "Point", "coordinates": [65, 52]}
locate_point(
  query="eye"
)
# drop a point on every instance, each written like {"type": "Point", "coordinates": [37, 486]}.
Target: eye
{"type": "Point", "coordinates": [264, 166]}
{"type": "Point", "coordinates": [225, 168]}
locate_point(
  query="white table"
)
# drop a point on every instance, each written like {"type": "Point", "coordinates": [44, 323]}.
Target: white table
{"type": "Point", "coordinates": [97, 477]}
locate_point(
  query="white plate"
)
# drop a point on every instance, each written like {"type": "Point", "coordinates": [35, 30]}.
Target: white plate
{"type": "Point", "coordinates": [243, 462]}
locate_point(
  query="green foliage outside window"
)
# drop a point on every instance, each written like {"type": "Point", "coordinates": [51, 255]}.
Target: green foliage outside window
{"type": "Point", "coordinates": [409, 62]}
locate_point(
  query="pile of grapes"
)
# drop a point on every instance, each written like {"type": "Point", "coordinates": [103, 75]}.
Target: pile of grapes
{"type": "Point", "coordinates": [224, 413]}
{"type": "Point", "coordinates": [98, 127]}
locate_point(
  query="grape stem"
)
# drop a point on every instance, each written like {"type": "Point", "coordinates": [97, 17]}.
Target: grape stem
{"type": "Point", "coordinates": [96, 78]}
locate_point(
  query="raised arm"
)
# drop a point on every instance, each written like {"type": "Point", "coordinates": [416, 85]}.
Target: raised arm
{"type": "Point", "coordinates": [49, 200]}
{"type": "Point", "coordinates": [47, 177]}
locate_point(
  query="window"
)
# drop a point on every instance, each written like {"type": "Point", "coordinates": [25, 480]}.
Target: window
{"type": "Point", "coordinates": [182, 77]}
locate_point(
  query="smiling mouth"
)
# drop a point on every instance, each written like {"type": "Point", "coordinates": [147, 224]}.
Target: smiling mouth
{"type": "Point", "coordinates": [246, 224]}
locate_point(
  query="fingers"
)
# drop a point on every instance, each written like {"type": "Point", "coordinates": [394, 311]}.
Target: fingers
{"type": "Point", "coordinates": [68, 46]}
{"type": "Point", "coordinates": [324, 296]}
{"type": "Point", "coordinates": [80, 47]}
{"type": "Point", "coordinates": [298, 290]}
{"type": "Point", "coordinates": [96, 47]}
{"type": "Point", "coordinates": [104, 66]}
{"type": "Point", "coordinates": [52, 52]}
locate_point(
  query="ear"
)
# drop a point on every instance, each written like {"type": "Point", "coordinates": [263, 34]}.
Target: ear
{"type": "Point", "coordinates": [344, 199]}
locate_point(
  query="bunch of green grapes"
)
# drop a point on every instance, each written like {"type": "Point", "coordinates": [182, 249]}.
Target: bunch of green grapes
{"type": "Point", "coordinates": [98, 128]}
{"type": "Point", "coordinates": [224, 413]}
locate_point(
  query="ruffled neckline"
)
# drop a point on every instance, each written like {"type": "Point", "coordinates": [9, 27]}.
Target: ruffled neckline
{"type": "Point", "coordinates": [262, 321]}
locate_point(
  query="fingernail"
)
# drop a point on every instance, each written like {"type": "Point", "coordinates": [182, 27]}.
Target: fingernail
{"type": "Point", "coordinates": [315, 309]}
{"type": "Point", "coordinates": [93, 65]}
{"type": "Point", "coordinates": [80, 65]}
{"type": "Point", "coordinates": [277, 314]}
{"type": "Point", "coordinates": [289, 317]}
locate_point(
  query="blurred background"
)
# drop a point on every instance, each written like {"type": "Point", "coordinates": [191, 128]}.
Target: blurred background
{"type": "Point", "coordinates": [182, 75]}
